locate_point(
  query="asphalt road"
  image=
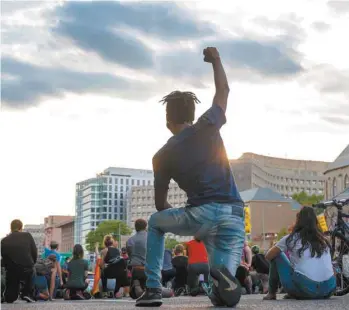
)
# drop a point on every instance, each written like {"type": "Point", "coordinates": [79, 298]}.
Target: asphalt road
{"type": "Point", "coordinates": [246, 303]}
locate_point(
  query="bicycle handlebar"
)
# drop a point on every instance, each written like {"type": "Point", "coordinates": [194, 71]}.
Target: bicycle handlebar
{"type": "Point", "coordinates": [332, 203]}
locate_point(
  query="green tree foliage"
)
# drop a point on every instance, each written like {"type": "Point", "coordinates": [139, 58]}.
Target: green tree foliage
{"type": "Point", "coordinates": [112, 227]}
{"type": "Point", "coordinates": [307, 200]}
{"type": "Point", "coordinates": [170, 243]}
{"type": "Point", "coordinates": [282, 233]}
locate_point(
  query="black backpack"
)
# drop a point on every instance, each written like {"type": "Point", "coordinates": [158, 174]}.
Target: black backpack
{"type": "Point", "coordinates": [43, 266]}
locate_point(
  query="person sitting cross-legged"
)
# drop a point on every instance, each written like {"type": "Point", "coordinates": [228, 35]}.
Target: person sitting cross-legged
{"type": "Point", "coordinates": [308, 274]}
{"type": "Point", "coordinates": [180, 264]}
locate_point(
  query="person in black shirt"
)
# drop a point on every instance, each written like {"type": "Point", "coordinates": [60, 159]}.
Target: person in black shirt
{"type": "Point", "coordinates": [261, 267]}
{"type": "Point", "coordinates": [180, 264]}
{"type": "Point", "coordinates": [19, 254]}
{"type": "Point", "coordinates": [113, 266]}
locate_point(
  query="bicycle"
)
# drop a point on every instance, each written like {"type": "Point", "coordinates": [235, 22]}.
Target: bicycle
{"type": "Point", "coordinates": [339, 244]}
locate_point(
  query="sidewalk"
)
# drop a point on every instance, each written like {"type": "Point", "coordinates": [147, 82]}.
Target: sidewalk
{"type": "Point", "coordinates": [251, 302]}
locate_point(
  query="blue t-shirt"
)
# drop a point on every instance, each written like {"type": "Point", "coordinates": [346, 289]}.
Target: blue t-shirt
{"type": "Point", "coordinates": [48, 252]}
{"type": "Point", "coordinates": [197, 160]}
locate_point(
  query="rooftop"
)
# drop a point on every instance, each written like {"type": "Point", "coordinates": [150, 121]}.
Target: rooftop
{"type": "Point", "coordinates": [341, 161]}
{"type": "Point", "coordinates": [267, 194]}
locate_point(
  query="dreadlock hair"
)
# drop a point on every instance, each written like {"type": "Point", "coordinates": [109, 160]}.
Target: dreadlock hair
{"type": "Point", "coordinates": [180, 107]}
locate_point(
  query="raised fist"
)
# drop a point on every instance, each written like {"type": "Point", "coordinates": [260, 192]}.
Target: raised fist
{"type": "Point", "coordinates": [210, 54]}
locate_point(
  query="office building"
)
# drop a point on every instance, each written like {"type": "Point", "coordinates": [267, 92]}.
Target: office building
{"type": "Point", "coordinates": [285, 176]}
{"type": "Point", "coordinates": [142, 204]}
{"type": "Point", "coordinates": [52, 231]}
{"type": "Point", "coordinates": [67, 235]}
{"type": "Point", "coordinates": [38, 233]}
{"type": "Point", "coordinates": [104, 197]}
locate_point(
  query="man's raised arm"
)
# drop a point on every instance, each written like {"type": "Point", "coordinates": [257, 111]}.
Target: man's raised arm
{"type": "Point", "coordinates": [220, 79]}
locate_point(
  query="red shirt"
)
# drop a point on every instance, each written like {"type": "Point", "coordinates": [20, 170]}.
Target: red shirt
{"type": "Point", "coordinates": [196, 252]}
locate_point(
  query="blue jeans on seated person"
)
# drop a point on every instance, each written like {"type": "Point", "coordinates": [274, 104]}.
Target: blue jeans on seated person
{"type": "Point", "coordinates": [220, 226]}
{"type": "Point", "coordinates": [295, 284]}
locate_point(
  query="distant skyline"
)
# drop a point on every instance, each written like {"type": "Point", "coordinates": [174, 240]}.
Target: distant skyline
{"type": "Point", "coordinates": [80, 96]}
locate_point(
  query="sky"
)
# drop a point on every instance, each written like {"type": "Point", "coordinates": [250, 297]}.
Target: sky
{"type": "Point", "coordinates": [81, 84]}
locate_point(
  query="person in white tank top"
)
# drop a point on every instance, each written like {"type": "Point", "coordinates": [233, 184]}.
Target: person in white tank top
{"type": "Point", "coordinates": [308, 273]}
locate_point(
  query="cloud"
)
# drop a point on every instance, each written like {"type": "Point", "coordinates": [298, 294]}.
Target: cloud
{"type": "Point", "coordinates": [100, 27]}
{"type": "Point", "coordinates": [321, 26]}
{"type": "Point", "coordinates": [338, 120]}
{"type": "Point", "coordinates": [24, 84]}
{"type": "Point", "coordinates": [340, 6]}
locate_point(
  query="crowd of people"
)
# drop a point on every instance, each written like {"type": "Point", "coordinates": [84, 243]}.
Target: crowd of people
{"type": "Point", "coordinates": [196, 159]}
{"type": "Point", "coordinates": [299, 265]}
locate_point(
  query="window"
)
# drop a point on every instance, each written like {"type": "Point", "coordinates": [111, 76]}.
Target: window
{"type": "Point", "coordinates": [110, 180]}
{"type": "Point", "coordinates": [109, 202]}
{"type": "Point", "coordinates": [116, 188]}
{"type": "Point", "coordinates": [121, 181]}
{"type": "Point", "coordinates": [110, 188]}
{"type": "Point", "coordinates": [92, 209]}
{"type": "Point", "coordinates": [132, 182]}
{"type": "Point", "coordinates": [109, 217]}
{"type": "Point", "coordinates": [143, 182]}
{"type": "Point", "coordinates": [126, 181]}
{"type": "Point", "coordinates": [121, 202]}
{"type": "Point", "coordinates": [116, 195]}
{"type": "Point", "coordinates": [109, 195]}
{"type": "Point", "coordinates": [115, 202]}
{"type": "Point", "coordinates": [104, 202]}
{"type": "Point", "coordinates": [116, 181]}
{"type": "Point", "coordinates": [346, 181]}
{"type": "Point", "coordinates": [149, 182]}
{"type": "Point", "coordinates": [105, 195]}
{"type": "Point", "coordinates": [121, 188]}
{"type": "Point", "coordinates": [334, 187]}
{"type": "Point", "coordinates": [138, 183]}
{"type": "Point", "coordinates": [109, 209]}
{"type": "Point", "coordinates": [115, 210]}
{"type": "Point", "coordinates": [104, 209]}
{"type": "Point", "coordinates": [121, 196]}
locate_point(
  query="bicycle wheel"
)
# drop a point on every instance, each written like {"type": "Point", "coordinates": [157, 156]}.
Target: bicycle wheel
{"type": "Point", "coordinates": [340, 261]}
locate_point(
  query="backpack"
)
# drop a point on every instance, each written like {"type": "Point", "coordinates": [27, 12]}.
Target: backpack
{"type": "Point", "coordinates": [43, 266]}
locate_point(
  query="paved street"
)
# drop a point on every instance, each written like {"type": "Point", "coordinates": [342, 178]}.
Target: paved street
{"type": "Point", "coordinates": [247, 303]}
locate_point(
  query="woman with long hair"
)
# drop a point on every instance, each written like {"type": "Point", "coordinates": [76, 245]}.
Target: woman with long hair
{"type": "Point", "coordinates": [113, 266]}
{"type": "Point", "coordinates": [77, 274]}
{"type": "Point", "coordinates": [308, 273]}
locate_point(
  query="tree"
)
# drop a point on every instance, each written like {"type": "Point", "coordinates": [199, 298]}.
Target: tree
{"type": "Point", "coordinates": [170, 243]}
{"type": "Point", "coordinates": [282, 233]}
{"type": "Point", "coordinates": [307, 200]}
{"type": "Point", "coordinates": [112, 227]}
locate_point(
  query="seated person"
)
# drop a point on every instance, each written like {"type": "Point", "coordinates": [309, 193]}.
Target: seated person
{"type": "Point", "coordinates": [41, 288]}
{"type": "Point", "coordinates": [180, 263]}
{"type": "Point", "coordinates": [197, 265]}
{"type": "Point", "coordinates": [260, 268]}
{"type": "Point", "coordinates": [168, 272]}
{"type": "Point", "coordinates": [308, 274]}
{"type": "Point", "coordinates": [137, 249]}
{"type": "Point", "coordinates": [243, 271]}
{"type": "Point", "coordinates": [77, 274]}
{"type": "Point", "coordinates": [65, 270]}
{"type": "Point", "coordinates": [113, 266]}
{"type": "Point", "coordinates": [57, 280]}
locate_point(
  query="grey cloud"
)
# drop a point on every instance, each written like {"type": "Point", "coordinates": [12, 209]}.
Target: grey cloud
{"type": "Point", "coordinates": [321, 26]}
{"type": "Point", "coordinates": [289, 26]}
{"type": "Point", "coordinates": [340, 6]}
{"type": "Point", "coordinates": [338, 120]}
{"type": "Point", "coordinates": [91, 25]}
{"type": "Point", "coordinates": [29, 83]}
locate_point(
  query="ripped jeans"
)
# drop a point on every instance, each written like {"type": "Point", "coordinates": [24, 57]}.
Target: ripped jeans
{"type": "Point", "coordinates": [220, 226]}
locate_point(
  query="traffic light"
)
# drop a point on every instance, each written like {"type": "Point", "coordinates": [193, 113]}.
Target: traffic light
{"type": "Point", "coordinates": [247, 220]}
{"type": "Point", "coordinates": [322, 222]}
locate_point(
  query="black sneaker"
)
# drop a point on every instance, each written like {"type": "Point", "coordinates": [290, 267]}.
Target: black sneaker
{"type": "Point", "coordinates": [226, 289]}
{"type": "Point", "coordinates": [152, 297]}
{"type": "Point", "coordinates": [27, 299]}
